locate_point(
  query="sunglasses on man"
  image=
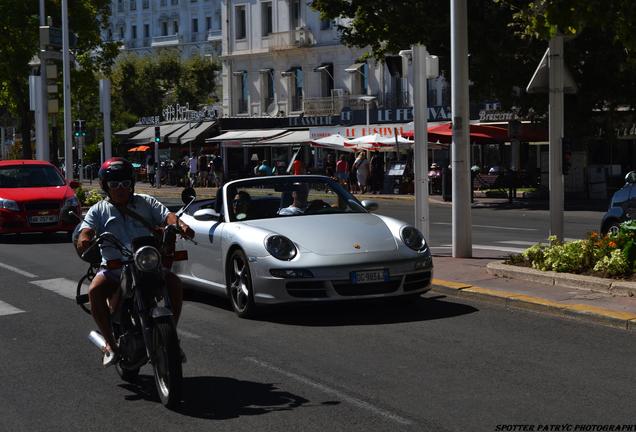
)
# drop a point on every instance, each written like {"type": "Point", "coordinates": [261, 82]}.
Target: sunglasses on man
{"type": "Point", "coordinates": [114, 184]}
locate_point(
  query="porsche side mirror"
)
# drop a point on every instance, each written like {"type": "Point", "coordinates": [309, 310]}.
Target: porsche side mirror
{"type": "Point", "coordinates": [206, 215]}
{"type": "Point", "coordinates": [370, 205]}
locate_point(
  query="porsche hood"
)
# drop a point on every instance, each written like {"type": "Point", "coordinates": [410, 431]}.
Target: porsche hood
{"type": "Point", "coordinates": [333, 234]}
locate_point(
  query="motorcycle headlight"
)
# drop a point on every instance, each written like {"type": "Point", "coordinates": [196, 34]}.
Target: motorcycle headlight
{"type": "Point", "coordinates": [413, 238]}
{"type": "Point", "coordinates": [71, 202]}
{"type": "Point", "coordinates": [147, 258]}
{"type": "Point", "coordinates": [280, 247]}
{"type": "Point", "coordinates": [9, 204]}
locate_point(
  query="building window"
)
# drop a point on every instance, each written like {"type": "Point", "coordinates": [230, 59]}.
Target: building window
{"type": "Point", "coordinates": [195, 25]}
{"type": "Point", "coordinates": [174, 2]}
{"type": "Point", "coordinates": [145, 4]}
{"type": "Point", "coordinates": [295, 14]}
{"type": "Point", "coordinates": [241, 23]}
{"type": "Point", "coordinates": [208, 23]}
{"type": "Point", "coordinates": [325, 24]}
{"type": "Point", "coordinates": [243, 92]}
{"type": "Point", "coordinates": [364, 78]}
{"type": "Point", "coordinates": [146, 30]}
{"type": "Point", "coordinates": [133, 32]}
{"type": "Point", "coordinates": [267, 23]}
{"type": "Point", "coordinates": [175, 27]}
{"type": "Point", "coordinates": [133, 5]}
{"type": "Point", "coordinates": [121, 33]}
{"type": "Point", "coordinates": [217, 19]}
{"type": "Point", "coordinates": [164, 28]}
{"type": "Point", "coordinates": [110, 34]}
{"type": "Point", "coordinates": [120, 5]}
{"type": "Point", "coordinates": [297, 88]}
{"type": "Point", "coordinates": [267, 91]}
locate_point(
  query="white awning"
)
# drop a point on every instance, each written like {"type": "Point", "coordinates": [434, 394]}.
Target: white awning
{"type": "Point", "coordinates": [148, 135]}
{"type": "Point", "coordinates": [354, 67]}
{"type": "Point", "coordinates": [289, 138]}
{"type": "Point", "coordinates": [195, 132]}
{"type": "Point", "coordinates": [245, 136]}
{"type": "Point", "coordinates": [130, 131]}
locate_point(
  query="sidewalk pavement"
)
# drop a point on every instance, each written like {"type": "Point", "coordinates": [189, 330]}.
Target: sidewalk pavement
{"type": "Point", "coordinates": [468, 278]}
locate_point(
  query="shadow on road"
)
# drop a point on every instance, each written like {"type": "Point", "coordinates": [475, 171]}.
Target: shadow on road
{"type": "Point", "coordinates": [220, 398]}
{"type": "Point", "coordinates": [369, 312]}
{"type": "Point", "coordinates": [35, 238]}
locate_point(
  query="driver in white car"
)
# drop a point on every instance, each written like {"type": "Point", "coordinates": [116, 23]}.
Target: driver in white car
{"type": "Point", "coordinates": [299, 204]}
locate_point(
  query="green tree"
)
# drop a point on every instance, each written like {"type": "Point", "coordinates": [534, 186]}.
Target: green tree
{"type": "Point", "coordinates": [19, 42]}
{"type": "Point", "coordinates": [499, 61]}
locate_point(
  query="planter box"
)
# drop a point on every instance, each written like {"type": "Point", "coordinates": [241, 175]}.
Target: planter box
{"type": "Point", "coordinates": [568, 280]}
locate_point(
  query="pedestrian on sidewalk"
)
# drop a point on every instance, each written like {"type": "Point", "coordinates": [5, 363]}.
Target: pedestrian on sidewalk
{"type": "Point", "coordinates": [192, 166]}
{"type": "Point", "coordinates": [361, 167]}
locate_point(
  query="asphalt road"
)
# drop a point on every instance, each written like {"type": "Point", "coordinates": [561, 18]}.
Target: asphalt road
{"type": "Point", "coordinates": [442, 365]}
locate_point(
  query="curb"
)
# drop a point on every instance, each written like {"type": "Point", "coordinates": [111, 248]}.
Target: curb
{"type": "Point", "coordinates": [511, 300]}
{"type": "Point", "coordinates": [565, 280]}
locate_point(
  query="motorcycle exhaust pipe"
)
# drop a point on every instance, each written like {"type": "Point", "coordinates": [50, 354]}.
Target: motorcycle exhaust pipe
{"type": "Point", "coordinates": [98, 340]}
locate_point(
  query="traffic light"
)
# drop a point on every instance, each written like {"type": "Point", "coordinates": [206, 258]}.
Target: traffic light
{"type": "Point", "coordinates": [79, 128]}
{"type": "Point", "coordinates": [566, 155]}
{"type": "Point", "coordinates": [157, 134]}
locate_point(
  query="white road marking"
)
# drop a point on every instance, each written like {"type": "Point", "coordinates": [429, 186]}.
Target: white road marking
{"type": "Point", "coordinates": [7, 309]}
{"type": "Point", "coordinates": [352, 400]}
{"type": "Point", "coordinates": [64, 287]}
{"type": "Point", "coordinates": [491, 227]}
{"type": "Point", "coordinates": [187, 334]}
{"type": "Point", "coordinates": [18, 271]}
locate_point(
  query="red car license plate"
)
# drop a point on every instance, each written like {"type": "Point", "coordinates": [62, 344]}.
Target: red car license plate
{"type": "Point", "coordinates": [43, 219]}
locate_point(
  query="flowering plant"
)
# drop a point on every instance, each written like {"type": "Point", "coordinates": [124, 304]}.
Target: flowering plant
{"type": "Point", "coordinates": [612, 255]}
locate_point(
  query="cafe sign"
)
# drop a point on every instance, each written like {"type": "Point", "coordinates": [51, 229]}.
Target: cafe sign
{"type": "Point", "coordinates": [179, 113]}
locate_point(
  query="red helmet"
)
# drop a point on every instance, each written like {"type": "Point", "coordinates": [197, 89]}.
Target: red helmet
{"type": "Point", "coordinates": [116, 168]}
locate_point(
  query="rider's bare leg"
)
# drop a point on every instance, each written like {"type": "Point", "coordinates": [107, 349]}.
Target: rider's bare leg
{"type": "Point", "coordinates": [100, 290]}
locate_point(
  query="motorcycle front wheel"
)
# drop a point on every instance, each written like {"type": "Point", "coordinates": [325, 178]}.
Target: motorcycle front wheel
{"type": "Point", "coordinates": [167, 363]}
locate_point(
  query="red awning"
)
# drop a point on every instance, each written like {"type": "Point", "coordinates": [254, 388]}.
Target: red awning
{"type": "Point", "coordinates": [485, 133]}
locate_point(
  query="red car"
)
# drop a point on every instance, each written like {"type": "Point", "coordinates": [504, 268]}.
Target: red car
{"type": "Point", "coordinates": [32, 196]}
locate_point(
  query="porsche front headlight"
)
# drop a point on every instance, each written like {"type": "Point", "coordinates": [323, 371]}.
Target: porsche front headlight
{"type": "Point", "coordinates": [9, 204]}
{"type": "Point", "coordinates": [280, 247]}
{"type": "Point", "coordinates": [147, 258]}
{"type": "Point", "coordinates": [413, 238]}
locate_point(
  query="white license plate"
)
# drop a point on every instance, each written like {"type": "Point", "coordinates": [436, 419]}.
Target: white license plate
{"type": "Point", "coordinates": [368, 276]}
{"type": "Point", "coordinates": [43, 219]}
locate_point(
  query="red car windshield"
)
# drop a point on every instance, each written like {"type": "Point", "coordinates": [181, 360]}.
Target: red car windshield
{"type": "Point", "coordinates": [28, 176]}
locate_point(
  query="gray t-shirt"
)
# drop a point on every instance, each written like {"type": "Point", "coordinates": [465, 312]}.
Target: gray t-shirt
{"type": "Point", "coordinates": [104, 217]}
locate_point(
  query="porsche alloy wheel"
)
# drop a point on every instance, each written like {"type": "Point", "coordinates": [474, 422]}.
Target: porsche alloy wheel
{"type": "Point", "coordinates": [239, 287]}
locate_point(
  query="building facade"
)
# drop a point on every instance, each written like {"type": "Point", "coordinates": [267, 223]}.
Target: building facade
{"type": "Point", "coordinates": [191, 27]}
{"type": "Point", "coordinates": [280, 59]}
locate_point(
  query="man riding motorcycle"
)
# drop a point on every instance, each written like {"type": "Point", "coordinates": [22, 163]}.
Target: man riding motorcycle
{"type": "Point", "coordinates": [126, 215]}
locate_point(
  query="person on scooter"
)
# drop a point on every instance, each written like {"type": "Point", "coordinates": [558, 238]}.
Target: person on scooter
{"type": "Point", "coordinates": [117, 180]}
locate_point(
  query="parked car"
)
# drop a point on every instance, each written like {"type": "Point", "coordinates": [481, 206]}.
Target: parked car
{"type": "Point", "coordinates": [281, 239]}
{"type": "Point", "coordinates": [622, 207]}
{"type": "Point", "coordinates": [32, 195]}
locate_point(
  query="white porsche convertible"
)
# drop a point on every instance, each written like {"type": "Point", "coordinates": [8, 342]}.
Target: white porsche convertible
{"type": "Point", "coordinates": [270, 240]}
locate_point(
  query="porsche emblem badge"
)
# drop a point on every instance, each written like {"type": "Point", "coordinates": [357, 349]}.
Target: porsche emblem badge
{"type": "Point", "coordinates": [356, 245]}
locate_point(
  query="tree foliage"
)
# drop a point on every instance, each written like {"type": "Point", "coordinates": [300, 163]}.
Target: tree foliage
{"type": "Point", "coordinates": [19, 43]}
{"type": "Point", "coordinates": [499, 61]}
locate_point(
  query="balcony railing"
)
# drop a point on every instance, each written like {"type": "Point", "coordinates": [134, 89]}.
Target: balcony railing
{"type": "Point", "coordinates": [394, 100]}
{"type": "Point", "coordinates": [214, 35]}
{"type": "Point", "coordinates": [320, 106]}
{"type": "Point", "coordinates": [297, 103]}
{"type": "Point", "coordinates": [169, 40]}
{"type": "Point", "coordinates": [241, 106]}
{"type": "Point", "coordinates": [298, 38]}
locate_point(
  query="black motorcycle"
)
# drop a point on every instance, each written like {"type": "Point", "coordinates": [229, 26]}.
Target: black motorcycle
{"type": "Point", "coordinates": [142, 322]}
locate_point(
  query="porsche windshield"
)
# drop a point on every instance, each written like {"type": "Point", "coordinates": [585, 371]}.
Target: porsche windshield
{"type": "Point", "coordinates": [288, 196]}
{"type": "Point", "coordinates": [28, 176]}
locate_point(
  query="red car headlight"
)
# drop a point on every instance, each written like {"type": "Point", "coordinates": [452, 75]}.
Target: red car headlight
{"type": "Point", "coordinates": [9, 204]}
